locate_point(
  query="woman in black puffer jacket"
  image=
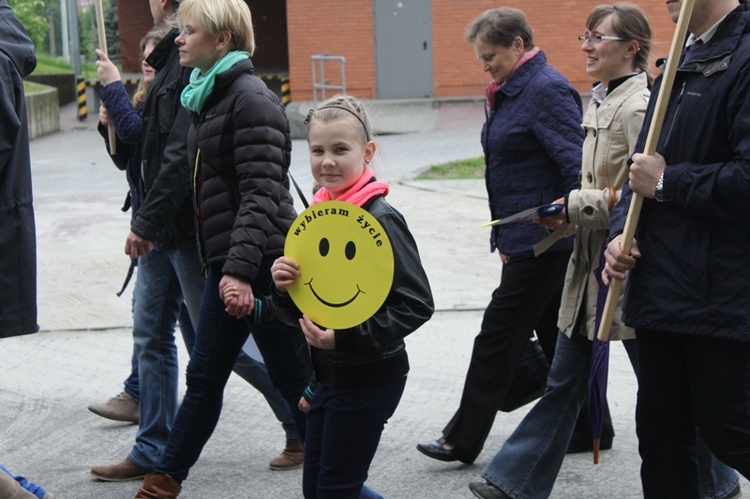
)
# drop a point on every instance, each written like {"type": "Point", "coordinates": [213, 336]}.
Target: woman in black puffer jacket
{"type": "Point", "coordinates": [241, 148]}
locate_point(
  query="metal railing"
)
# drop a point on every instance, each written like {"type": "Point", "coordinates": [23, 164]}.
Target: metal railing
{"type": "Point", "coordinates": [319, 80]}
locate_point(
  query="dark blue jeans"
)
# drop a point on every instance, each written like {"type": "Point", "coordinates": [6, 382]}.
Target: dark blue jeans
{"type": "Point", "coordinates": [247, 368]}
{"type": "Point", "coordinates": [343, 431]}
{"type": "Point", "coordinates": [165, 279]}
{"type": "Point", "coordinates": [186, 328]}
{"type": "Point", "coordinates": [131, 382]}
{"type": "Point", "coordinates": [218, 341]}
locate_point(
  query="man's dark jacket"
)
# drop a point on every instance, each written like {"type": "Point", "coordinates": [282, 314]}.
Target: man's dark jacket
{"type": "Point", "coordinates": [166, 214]}
{"type": "Point", "coordinates": [18, 312]}
{"type": "Point", "coordinates": [694, 275]}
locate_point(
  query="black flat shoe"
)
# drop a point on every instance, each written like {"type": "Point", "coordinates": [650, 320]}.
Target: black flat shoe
{"type": "Point", "coordinates": [435, 450]}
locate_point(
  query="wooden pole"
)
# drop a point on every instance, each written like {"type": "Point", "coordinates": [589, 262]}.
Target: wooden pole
{"type": "Point", "coordinates": [652, 139]}
{"type": "Point", "coordinates": [103, 47]}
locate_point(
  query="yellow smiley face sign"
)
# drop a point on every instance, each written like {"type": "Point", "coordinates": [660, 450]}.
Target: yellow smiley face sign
{"type": "Point", "coordinates": [345, 261]}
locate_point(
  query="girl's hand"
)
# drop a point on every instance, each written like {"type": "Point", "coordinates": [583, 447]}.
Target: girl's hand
{"type": "Point", "coordinates": [237, 296]}
{"type": "Point", "coordinates": [504, 258]}
{"type": "Point", "coordinates": [105, 70]}
{"type": "Point", "coordinates": [104, 115]}
{"type": "Point", "coordinates": [303, 405]}
{"type": "Point", "coordinates": [316, 337]}
{"type": "Point", "coordinates": [284, 272]}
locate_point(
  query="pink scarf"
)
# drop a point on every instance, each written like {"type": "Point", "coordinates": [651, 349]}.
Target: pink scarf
{"type": "Point", "coordinates": [493, 87]}
{"type": "Point", "coordinates": [358, 194]}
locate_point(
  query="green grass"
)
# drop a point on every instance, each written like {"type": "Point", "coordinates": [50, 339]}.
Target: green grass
{"type": "Point", "coordinates": [31, 88]}
{"type": "Point", "coordinates": [455, 170]}
{"type": "Point", "coordinates": [46, 64]}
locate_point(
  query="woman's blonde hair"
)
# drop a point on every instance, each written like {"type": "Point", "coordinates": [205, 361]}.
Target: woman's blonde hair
{"type": "Point", "coordinates": [154, 36]}
{"type": "Point", "coordinates": [342, 107]}
{"type": "Point", "coordinates": [215, 16]}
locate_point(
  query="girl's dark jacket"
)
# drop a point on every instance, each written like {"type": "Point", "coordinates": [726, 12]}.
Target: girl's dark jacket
{"type": "Point", "coordinates": [18, 309]}
{"type": "Point", "coordinates": [694, 275]}
{"type": "Point", "coordinates": [532, 149]}
{"type": "Point", "coordinates": [241, 148]}
{"type": "Point", "coordinates": [374, 352]}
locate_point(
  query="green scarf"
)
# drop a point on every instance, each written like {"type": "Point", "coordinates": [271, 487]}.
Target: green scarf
{"type": "Point", "coordinates": [201, 85]}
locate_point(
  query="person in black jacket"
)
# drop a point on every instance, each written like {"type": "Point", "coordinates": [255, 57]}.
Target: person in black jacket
{"type": "Point", "coordinates": [18, 306]}
{"type": "Point", "coordinates": [688, 293]}
{"type": "Point", "coordinates": [240, 145]}
{"type": "Point", "coordinates": [359, 372]}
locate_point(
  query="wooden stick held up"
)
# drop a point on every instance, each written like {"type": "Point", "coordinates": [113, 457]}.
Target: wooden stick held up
{"type": "Point", "coordinates": [103, 46]}
{"type": "Point", "coordinates": [650, 148]}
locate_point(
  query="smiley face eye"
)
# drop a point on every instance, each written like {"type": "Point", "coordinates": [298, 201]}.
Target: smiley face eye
{"type": "Point", "coordinates": [350, 250]}
{"type": "Point", "coordinates": [324, 247]}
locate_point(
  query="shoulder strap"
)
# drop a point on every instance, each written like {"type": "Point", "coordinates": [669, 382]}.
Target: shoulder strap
{"type": "Point", "coordinates": [299, 191]}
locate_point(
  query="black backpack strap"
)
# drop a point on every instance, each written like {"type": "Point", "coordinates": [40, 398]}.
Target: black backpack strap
{"type": "Point", "coordinates": [299, 191]}
{"type": "Point", "coordinates": [133, 263]}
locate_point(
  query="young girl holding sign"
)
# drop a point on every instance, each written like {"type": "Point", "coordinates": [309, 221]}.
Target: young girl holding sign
{"type": "Point", "coordinates": [359, 372]}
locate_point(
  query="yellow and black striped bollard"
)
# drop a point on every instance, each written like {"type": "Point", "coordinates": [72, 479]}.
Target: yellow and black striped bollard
{"type": "Point", "coordinates": [286, 93]}
{"type": "Point", "coordinates": [83, 111]}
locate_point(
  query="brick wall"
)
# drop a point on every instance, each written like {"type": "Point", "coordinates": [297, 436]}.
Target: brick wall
{"type": "Point", "coordinates": [287, 35]}
{"type": "Point", "coordinates": [345, 27]}
{"type": "Point", "coordinates": [339, 28]}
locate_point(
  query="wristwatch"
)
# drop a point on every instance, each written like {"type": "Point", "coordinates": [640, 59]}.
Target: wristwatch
{"type": "Point", "coordinates": [659, 191]}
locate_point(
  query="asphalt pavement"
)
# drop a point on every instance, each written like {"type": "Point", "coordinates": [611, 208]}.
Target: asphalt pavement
{"type": "Point", "coordinates": [82, 353]}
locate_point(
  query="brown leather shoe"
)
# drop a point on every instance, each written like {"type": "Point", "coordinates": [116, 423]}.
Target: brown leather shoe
{"type": "Point", "coordinates": [158, 487]}
{"type": "Point", "coordinates": [290, 458]}
{"type": "Point", "coordinates": [121, 407]}
{"type": "Point", "coordinates": [121, 472]}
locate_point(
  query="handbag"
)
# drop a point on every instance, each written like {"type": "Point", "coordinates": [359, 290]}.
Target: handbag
{"type": "Point", "coordinates": [529, 378]}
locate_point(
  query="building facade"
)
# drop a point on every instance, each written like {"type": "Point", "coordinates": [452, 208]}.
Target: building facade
{"type": "Point", "coordinates": [395, 48]}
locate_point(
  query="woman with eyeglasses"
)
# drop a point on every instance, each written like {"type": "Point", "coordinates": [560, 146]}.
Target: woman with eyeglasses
{"type": "Point", "coordinates": [616, 43]}
{"type": "Point", "coordinates": [532, 141]}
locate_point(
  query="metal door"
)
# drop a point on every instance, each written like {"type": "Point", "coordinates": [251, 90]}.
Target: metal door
{"type": "Point", "coordinates": [403, 48]}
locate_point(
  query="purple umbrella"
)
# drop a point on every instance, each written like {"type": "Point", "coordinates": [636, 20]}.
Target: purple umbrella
{"type": "Point", "coordinates": [597, 392]}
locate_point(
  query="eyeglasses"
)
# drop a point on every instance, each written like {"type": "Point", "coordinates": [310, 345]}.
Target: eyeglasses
{"type": "Point", "coordinates": [596, 39]}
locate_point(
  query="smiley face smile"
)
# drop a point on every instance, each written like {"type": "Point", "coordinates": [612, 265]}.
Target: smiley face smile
{"type": "Point", "coordinates": [330, 304]}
